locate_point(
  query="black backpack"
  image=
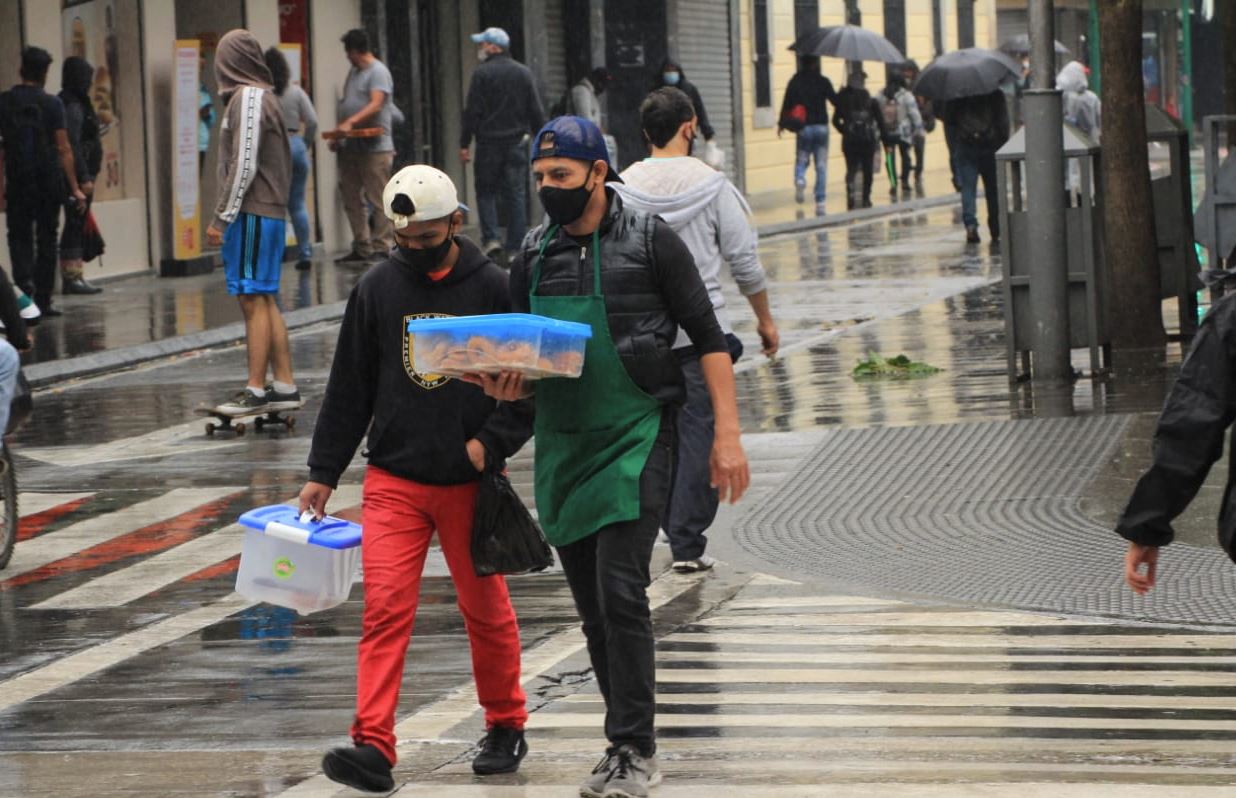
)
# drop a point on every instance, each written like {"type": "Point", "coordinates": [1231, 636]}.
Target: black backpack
{"type": "Point", "coordinates": [861, 127]}
{"type": "Point", "coordinates": [975, 128]}
{"type": "Point", "coordinates": [29, 157]}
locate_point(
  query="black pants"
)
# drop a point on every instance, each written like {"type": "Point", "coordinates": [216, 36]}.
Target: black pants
{"type": "Point", "coordinates": [32, 222]}
{"type": "Point", "coordinates": [608, 573]}
{"type": "Point", "coordinates": [859, 161]}
{"type": "Point", "coordinates": [906, 150]}
{"type": "Point", "coordinates": [71, 236]}
{"type": "Point", "coordinates": [502, 177]}
{"type": "Point", "coordinates": [920, 145]}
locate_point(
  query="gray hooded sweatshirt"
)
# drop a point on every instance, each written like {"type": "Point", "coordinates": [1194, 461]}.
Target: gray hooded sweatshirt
{"type": "Point", "coordinates": [255, 159]}
{"type": "Point", "coordinates": [1082, 107]}
{"type": "Point", "coordinates": [708, 213]}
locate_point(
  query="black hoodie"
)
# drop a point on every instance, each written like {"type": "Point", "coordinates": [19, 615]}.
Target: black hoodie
{"type": "Point", "coordinates": [420, 428]}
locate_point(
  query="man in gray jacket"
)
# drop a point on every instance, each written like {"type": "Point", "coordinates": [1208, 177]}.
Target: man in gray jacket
{"type": "Point", "coordinates": [711, 217]}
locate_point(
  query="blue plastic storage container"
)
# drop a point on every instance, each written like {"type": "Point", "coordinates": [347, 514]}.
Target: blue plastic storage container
{"type": "Point", "coordinates": [536, 346]}
{"type": "Point", "coordinates": [304, 564]}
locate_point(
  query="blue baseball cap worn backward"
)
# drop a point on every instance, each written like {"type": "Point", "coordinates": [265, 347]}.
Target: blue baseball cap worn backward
{"type": "Point", "coordinates": [573, 137]}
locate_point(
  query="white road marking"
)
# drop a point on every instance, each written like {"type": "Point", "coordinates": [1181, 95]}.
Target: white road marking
{"type": "Point", "coordinates": [34, 503]}
{"type": "Point", "coordinates": [180, 439]}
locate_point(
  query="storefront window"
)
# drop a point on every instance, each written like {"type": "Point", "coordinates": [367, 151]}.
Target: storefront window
{"type": "Point", "coordinates": [106, 33]}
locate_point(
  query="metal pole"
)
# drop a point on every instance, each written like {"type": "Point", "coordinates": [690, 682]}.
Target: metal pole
{"type": "Point", "coordinates": [1093, 43]}
{"type": "Point", "coordinates": [1045, 193]}
{"type": "Point", "coordinates": [1186, 66]}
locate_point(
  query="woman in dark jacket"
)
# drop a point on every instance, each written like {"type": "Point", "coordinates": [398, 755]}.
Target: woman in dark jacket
{"type": "Point", "coordinates": [85, 138]}
{"type": "Point", "coordinates": [671, 74]}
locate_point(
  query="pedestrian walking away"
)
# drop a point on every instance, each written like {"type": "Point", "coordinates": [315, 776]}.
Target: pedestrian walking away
{"type": "Point", "coordinates": [605, 441]}
{"type": "Point", "coordinates": [671, 74]}
{"type": "Point", "coordinates": [926, 110]}
{"type": "Point", "coordinates": [82, 126]}
{"type": "Point", "coordinates": [903, 125]}
{"type": "Point", "coordinates": [40, 173]}
{"type": "Point", "coordinates": [860, 122]}
{"type": "Point", "coordinates": [302, 125]}
{"type": "Point", "coordinates": [365, 163]}
{"type": "Point", "coordinates": [1188, 440]}
{"type": "Point", "coordinates": [428, 441]}
{"type": "Point", "coordinates": [980, 126]}
{"type": "Point", "coordinates": [804, 111]}
{"type": "Point", "coordinates": [584, 99]}
{"type": "Point", "coordinates": [502, 111]}
{"type": "Point", "coordinates": [255, 174]}
{"type": "Point", "coordinates": [711, 217]}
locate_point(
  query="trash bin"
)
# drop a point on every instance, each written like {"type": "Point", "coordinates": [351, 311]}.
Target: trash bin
{"type": "Point", "coordinates": [1172, 195]}
{"type": "Point", "coordinates": [1084, 236]}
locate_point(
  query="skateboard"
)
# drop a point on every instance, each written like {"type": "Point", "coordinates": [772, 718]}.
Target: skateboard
{"type": "Point", "coordinates": [262, 419]}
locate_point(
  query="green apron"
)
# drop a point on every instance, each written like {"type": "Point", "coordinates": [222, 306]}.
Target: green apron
{"type": "Point", "coordinates": [593, 433]}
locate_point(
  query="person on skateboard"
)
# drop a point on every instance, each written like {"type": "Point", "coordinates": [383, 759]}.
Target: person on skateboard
{"type": "Point", "coordinates": [605, 441]}
{"type": "Point", "coordinates": [429, 437]}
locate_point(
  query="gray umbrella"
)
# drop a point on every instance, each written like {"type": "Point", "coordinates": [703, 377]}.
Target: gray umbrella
{"type": "Point", "coordinates": [849, 42]}
{"type": "Point", "coordinates": [1020, 45]}
{"type": "Point", "coordinates": [965, 73]}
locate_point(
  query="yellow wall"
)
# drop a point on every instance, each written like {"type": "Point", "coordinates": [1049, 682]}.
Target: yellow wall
{"type": "Point", "coordinates": [769, 159]}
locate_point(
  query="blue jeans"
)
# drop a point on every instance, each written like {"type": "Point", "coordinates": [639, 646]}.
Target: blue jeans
{"type": "Point", "coordinates": [296, 198]}
{"type": "Point", "coordinates": [502, 173]}
{"type": "Point", "coordinates": [10, 364]}
{"type": "Point", "coordinates": [812, 142]}
{"type": "Point", "coordinates": [971, 165]}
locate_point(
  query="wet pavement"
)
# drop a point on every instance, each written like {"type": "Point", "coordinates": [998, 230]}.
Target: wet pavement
{"type": "Point", "coordinates": [128, 667]}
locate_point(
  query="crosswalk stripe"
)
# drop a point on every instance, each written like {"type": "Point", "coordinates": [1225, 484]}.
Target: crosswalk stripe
{"type": "Point", "coordinates": [131, 583]}
{"type": "Point", "coordinates": [1111, 659]}
{"type": "Point", "coordinates": [826, 640]}
{"type": "Point", "coordinates": [1166, 678]}
{"type": "Point", "coordinates": [870, 698]}
{"type": "Point", "coordinates": [893, 619]}
{"type": "Point", "coordinates": [1028, 789]}
{"type": "Point", "coordinates": [32, 554]}
{"type": "Point", "coordinates": [33, 503]}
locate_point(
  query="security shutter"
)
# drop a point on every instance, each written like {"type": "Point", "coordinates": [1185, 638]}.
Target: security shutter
{"type": "Point", "coordinates": [704, 50]}
{"type": "Point", "coordinates": [1011, 22]}
{"type": "Point", "coordinates": [555, 58]}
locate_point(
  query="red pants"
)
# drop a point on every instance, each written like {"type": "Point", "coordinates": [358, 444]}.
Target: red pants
{"type": "Point", "coordinates": [398, 518]}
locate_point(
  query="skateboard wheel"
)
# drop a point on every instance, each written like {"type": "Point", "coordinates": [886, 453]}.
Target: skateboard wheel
{"type": "Point", "coordinates": [259, 423]}
{"type": "Point", "coordinates": [291, 421]}
{"type": "Point", "coordinates": [210, 430]}
{"type": "Point", "coordinates": [240, 429]}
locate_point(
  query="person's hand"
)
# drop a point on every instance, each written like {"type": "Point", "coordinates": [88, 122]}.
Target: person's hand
{"type": "Point", "coordinates": [770, 338]}
{"type": "Point", "coordinates": [779, 129]}
{"type": "Point", "coordinates": [345, 126]}
{"type": "Point", "coordinates": [1137, 556]}
{"type": "Point", "coordinates": [87, 188]}
{"type": "Point", "coordinates": [506, 386]}
{"type": "Point", "coordinates": [464, 155]}
{"type": "Point", "coordinates": [476, 453]}
{"type": "Point", "coordinates": [214, 236]}
{"type": "Point", "coordinates": [314, 496]}
{"type": "Point", "coordinates": [728, 469]}
{"type": "Point", "coordinates": [79, 200]}
{"type": "Point", "coordinates": [26, 345]}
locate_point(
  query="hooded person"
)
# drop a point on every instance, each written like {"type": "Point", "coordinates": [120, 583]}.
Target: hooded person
{"type": "Point", "coordinates": [255, 176]}
{"type": "Point", "coordinates": [1082, 107]}
{"type": "Point", "coordinates": [429, 437]}
{"type": "Point", "coordinates": [903, 124]}
{"type": "Point", "coordinates": [712, 218]}
{"type": "Point", "coordinates": [82, 125]}
{"type": "Point", "coordinates": [858, 119]}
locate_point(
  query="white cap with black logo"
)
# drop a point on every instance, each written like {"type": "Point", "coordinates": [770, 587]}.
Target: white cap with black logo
{"type": "Point", "coordinates": [419, 193]}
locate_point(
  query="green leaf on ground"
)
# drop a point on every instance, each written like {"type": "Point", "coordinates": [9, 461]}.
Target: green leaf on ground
{"type": "Point", "coordinates": [896, 368]}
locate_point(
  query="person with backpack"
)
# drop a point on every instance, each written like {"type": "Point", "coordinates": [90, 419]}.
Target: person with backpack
{"type": "Point", "coordinates": [858, 118]}
{"type": "Point", "coordinates": [926, 110]}
{"type": "Point", "coordinates": [980, 126]}
{"type": "Point", "coordinates": [804, 111]}
{"type": "Point", "coordinates": [38, 164]}
{"type": "Point", "coordinates": [84, 135]}
{"type": "Point", "coordinates": [903, 124]}
{"type": "Point", "coordinates": [584, 100]}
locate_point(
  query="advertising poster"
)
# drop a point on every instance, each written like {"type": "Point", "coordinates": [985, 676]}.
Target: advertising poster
{"type": "Point", "coordinates": [186, 207]}
{"type": "Point", "coordinates": [89, 28]}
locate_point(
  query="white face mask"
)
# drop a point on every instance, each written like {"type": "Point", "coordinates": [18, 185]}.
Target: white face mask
{"type": "Point", "coordinates": [482, 54]}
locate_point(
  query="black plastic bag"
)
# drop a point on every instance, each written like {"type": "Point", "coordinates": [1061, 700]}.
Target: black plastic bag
{"type": "Point", "coordinates": [505, 538]}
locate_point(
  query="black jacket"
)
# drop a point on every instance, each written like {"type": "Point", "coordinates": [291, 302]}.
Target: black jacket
{"type": "Point", "coordinates": [1189, 437]}
{"type": "Point", "coordinates": [650, 284]}
{"type": "Point", "coordinates": [851, 101]}
{"type": "Point", "coordinates": [503, 104]}
{"type": "Point", "coordinates": [688, 88]}
{"type": "Point", "coordinates": [419, 427]}
{"type": "Point", "coordinates": [813, 91]}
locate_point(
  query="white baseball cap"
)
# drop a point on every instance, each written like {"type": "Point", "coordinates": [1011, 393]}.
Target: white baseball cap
{"type": "Point", "coordinates": [419, 193]}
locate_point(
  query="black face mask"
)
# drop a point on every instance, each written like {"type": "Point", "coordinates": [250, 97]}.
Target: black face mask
{"type": "Point", "coordinates": [426, 261]}
{"type": "Point", "coordinates": [565, 205]}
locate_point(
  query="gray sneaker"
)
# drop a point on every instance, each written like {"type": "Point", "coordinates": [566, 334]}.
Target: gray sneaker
{"type": "Point", "coordinates": [700, 563]}
{"type": "Point", "coordinates": [594, 785]}
{"type": "Point", "coordinates": [632, 775]}
{"type": "Point", "coordinates": [244, 403]}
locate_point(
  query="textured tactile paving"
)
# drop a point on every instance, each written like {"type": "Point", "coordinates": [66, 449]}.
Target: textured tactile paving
{"type": "Point", "coordinates": [983, 513]}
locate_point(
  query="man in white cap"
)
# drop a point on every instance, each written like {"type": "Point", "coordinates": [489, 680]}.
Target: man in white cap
{"type": "Point", "coordinates": [502, 111]}
{"type": "Point", "coordinates": [429, 438]}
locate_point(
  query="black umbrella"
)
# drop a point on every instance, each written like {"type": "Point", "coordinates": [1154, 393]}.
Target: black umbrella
{"type": "Point", "coordinates": [965, 73]}
{"type": "Point", "coordinates": [1020, 45]}
{"type": "Point", "coordinates": [849, 42]}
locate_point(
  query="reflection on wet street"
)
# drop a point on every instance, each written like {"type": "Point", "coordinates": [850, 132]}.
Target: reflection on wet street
{"type": "Point", "coordinates": [128, 667]}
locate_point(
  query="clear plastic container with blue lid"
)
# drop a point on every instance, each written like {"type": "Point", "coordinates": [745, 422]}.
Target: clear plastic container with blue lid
{"type": "Point", "coordinates": [535, 346]}
{"type": "Point", "coordinates": [291, 560]}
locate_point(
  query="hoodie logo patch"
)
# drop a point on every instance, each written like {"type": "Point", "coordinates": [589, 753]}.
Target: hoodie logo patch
{"type": "Point", "coordinates": [426, 381]}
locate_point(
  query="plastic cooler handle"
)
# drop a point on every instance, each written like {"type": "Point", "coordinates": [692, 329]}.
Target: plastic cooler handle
{"type": "Point", "coordinates": [286, 532]}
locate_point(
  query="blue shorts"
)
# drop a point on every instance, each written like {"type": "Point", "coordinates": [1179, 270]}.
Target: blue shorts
{"type": "Point", "coordinates": [253, 254]}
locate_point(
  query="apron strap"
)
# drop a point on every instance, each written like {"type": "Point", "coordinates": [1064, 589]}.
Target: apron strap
{"type": "Point", "coordinates": [540, 259]}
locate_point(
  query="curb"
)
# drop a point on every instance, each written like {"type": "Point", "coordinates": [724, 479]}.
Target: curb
{"type": "Point", "coordinates": [860, 215]}
{"type": "Point", "coordinates": [42, 375]}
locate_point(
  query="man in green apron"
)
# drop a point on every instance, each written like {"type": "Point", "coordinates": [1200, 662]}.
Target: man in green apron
{"type": "Point", "coordinates": [605, 441]}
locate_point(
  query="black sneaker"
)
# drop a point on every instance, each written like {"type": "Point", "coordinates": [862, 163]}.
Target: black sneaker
{"type": "Point", "coordinates": [362, 768]}
{"type": "Point", "coordinates": [354, 258]}
{"type": "Point", "coordinates": [972, 235]}
{"type": "Point", "coordinates": [243, 403]}
{"type": "Point", "coordinates": [502, 749]}
{"type": "Point", "coordinates": [80, 285]}
{"type": "Point", "coordinates": [303, 265]}
{"type": "Point", "coordinates": [283, 401]}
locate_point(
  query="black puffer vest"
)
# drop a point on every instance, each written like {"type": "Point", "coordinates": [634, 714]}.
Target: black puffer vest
{"type": "Point", "coordinates": [639, 320]}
